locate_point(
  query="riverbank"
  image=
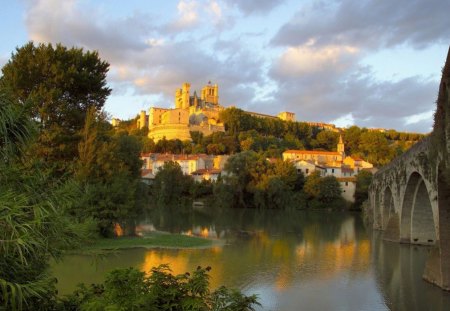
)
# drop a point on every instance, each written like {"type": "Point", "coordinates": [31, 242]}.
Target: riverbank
{"type": "Point", "coordinates": [151, 240]}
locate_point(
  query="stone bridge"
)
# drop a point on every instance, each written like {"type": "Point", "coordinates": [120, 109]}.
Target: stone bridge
{"type": "Point", "coordinates": [410, 197]}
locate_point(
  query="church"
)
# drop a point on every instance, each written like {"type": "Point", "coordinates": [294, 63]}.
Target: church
{"type": "Point", "coordinates": [330, 163]}
{"type": "Point", "coordinates": [191, 113]}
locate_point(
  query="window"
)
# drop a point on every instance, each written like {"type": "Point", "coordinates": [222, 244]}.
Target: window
{"type": "Point", "coordinates": [307, 170]}
{"type": "Point", "coordinates": [346, 183]}
{"type": "Point", "coordinates": [299, 170]}
{"type": "Point", "coordinates": [332, 170]}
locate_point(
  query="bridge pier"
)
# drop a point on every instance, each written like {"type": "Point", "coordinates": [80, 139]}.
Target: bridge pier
{"type": "Point", "coordinates": [444, 230]}
{"type": "Point", "coordinates": [410, 197]}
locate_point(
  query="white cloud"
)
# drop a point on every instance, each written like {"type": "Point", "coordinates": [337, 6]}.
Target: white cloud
{"type": "Point", "coordinates": [188, 13]}
{"type": "Point", "coordinates": [215, 10]}
{"type": "Point", "coordinates": [302, 60]}
{"type": "Point", "coordinates": [420, 117]}
{"type": "Point", "coordinates": [155, 42]}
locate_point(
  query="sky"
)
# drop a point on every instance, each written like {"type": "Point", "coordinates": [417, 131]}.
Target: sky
{"type": "Point", "coordinates": [372, 63]}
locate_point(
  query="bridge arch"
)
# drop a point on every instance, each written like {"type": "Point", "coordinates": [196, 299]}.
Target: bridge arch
{"type": "Point", "coordinates": [417, 222]}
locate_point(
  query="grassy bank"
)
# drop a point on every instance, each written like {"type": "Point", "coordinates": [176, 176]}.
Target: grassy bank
{"type": "Point", "coordinates": [152, 240]}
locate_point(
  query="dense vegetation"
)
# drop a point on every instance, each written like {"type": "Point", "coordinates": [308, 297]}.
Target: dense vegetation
{"type": "Point", "coordinates": [251, 181]}
{"type": "Point", "coordinates": [271, 137]}
{"type": "Point", "coordinates": [131, 289]}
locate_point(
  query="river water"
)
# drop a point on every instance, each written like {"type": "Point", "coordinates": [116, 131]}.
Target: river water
{"type": "Point", "coordinates": [299, 260]}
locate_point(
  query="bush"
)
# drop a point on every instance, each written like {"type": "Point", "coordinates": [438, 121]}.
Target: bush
{"type": "Point", "coordinates": [131, 289]}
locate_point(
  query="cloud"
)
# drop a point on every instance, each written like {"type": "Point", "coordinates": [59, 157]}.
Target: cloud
{"type": "Point", "coordinates": [303, 60]}
{"type": "Point", "coordinates": [66, 22]}
{"type": "Point", "coordinates": [187, 15]}
{"type": "Point", "coordinates": [330, 91]}
{"type": "Point", "coordinates": [215, 10]}
{"type": "Point", "coordinates": [371, 24]}
{"type": "Point", "coordinates": [178, 62]}
{"type": "Point", "coordinates": [319, 72]}
{"type": "Point", "coordinates": [255, 6]}
{"type": "Point", "coordinates": [144, 61]}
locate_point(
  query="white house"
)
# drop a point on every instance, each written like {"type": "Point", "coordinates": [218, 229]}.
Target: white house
{"type": "Point", "coordinates": [305, 167]}
{"type": "Point", "coordinates": [348, 186]}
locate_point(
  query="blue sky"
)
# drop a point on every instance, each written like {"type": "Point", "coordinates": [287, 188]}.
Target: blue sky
{"type": "Point", "coordinates": [373, 63]}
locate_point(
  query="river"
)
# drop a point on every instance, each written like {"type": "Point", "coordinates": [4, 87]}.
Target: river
{"type": "Point", "coordinates": [299, 260]}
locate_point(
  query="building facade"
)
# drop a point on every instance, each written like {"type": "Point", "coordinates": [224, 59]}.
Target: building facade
{"type": "Point", "coordinates": [191, 113]}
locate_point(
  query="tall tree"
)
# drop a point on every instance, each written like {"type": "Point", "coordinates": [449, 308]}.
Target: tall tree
{"type": "Point", "coordinates": [33, 227]}
{"type": "Point", "coordinates": [62, 84]}
{"type": "Point", "coordinates": [363, 180]}
{"type": "Point", "coordinates": [108, 170]}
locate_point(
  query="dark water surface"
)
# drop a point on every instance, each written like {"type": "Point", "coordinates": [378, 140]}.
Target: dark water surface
{"type": "Point", "coordinates": [292, 260]}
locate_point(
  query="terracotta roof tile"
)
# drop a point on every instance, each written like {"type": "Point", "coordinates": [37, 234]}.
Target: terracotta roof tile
{"type": "Point", "coordinates": [312, 152]}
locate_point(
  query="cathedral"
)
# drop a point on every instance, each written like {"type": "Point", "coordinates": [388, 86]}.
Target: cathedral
{"type": "Point", "coordinates": [191, 113]}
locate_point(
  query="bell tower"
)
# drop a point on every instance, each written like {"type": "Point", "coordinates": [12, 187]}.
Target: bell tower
{"type": "Point", "coordinates": [182, 96]}
{"type": "Point", "coordinates": [210, 93]}
{"type": "Point", "coordinates": [341, 147]}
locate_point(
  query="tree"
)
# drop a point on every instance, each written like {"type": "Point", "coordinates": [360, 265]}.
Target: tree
{"type": "Point", "coordinates": [375, 148]}
{"type": "Point", "coordinates": [326, 140]}
{"type": "Point", "coordinates": [170, 184]}
{"type": "Point", "coordinates": [351, 139]}
{"type": "Point", "coordinates": [312, 185]}
{"type": "Point", "coordinates": [363, 181]}
{"type": "Point", "coordinates": [61, 84]}
{"type": "Point", "coordinates": [108, 170]}
{"type": "Point", "coordinates": [322, 191]}
{"type": "Point", "coordinates": [239, 175]}
{"type": "Point", "coordinates": [33, 227]}
{"type": "Point", "coordinates": [329, 190]}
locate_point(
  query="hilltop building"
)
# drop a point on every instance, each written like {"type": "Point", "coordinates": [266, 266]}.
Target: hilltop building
{"type": "Point", "coordinates": [191, 113]}
{"type": "Point", "coordinates": [330, 163]}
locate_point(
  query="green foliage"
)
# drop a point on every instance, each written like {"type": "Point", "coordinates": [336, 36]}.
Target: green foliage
{"type": "Point", "coordinates": [59, 85]}
{"type": "Point", "coordinates": [363, 181]}
{"type": "Point", "coordinates": [312, 185]}
{"type": "Point", "coordinates": [202, 189]}
{"type": "Point", "coordinates": [33, 224]}
{"type": "Point", "coordinates": [15, 128]}
{"type": "Point", "coordinates": [150, 240]}
{"type": "Point", "coordinates": [108, 170]}
{"type": "Point", "coordinates": [323, 191]}
{"type": "Point", "coordinates": [329, 190]}
{"type": "Point", "coordinates": [131, 289]}
{"type": "Point", "coordinates": [253, 181]}
{"type": "Point", "coordinates": [326, 140]}
{"type": "Point", "coordinates": [375, 148]}
{"type": "Point", "coordinates": [272, 136]}
{"type": "Point", "coordinates": [170, 184]}
{"type": "Point", "coordinates": [351, 140]}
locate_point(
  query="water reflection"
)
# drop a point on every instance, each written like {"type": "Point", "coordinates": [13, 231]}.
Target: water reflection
{"type": "Point", "coordinates": [292, 260]}
{"type": "Point", "coordinates": [399, 270]}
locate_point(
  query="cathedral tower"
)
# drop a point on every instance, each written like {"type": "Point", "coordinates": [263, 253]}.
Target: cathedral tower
{"type": "Point", "coordinates": [210, 93]}
{"type": "Point", "coordinates": [340, 147]}
{"type": "Point", "coordinates": [182, 96]}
